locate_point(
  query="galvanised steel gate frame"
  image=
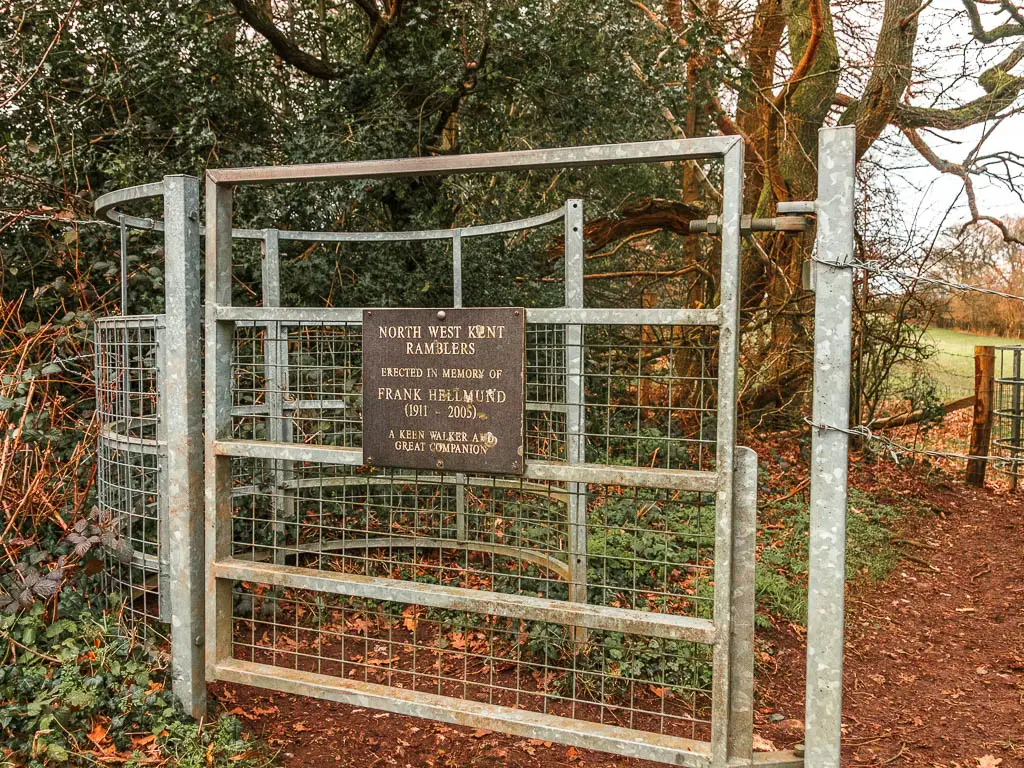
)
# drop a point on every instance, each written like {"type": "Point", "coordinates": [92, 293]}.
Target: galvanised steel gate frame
{"type": "Point", "coordinates": [731, 632]}
{"type": "Point", "coordinates": [731, 698]}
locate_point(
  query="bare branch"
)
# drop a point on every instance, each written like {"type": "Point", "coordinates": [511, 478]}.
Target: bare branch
{"type": "Point", "coordinates": [961, 171]}
{"type": "Point", "coordinates": [450, 108]}
{"type": "Point", "coordinates": [381, 24]}
{"type": "Point", "coordinates": [890, 73]}
{"type": "Point", "coordinates": [283, 45]}
{"type": "Point", "coordinates": [998, 33]}
{"type": "Point", "coordinates": [1004, 89]}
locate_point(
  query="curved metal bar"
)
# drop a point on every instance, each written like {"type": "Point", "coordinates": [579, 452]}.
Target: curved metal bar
{"type": "Point", "coordinates": [110, 436]}
{"type": "Point", "coordinates": [106, 206]}
{"type": "Point", "coordinates": [557, 494]}
{"type": "Point", "coordinates": [422, 234]}
{"type": "Point", "coordinates": [552, 564]}
{"type": "Point", "coordinates": [131, 321]}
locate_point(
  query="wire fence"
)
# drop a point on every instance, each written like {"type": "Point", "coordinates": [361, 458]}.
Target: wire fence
{"type": "Point", "coordinates": [1007, 451]}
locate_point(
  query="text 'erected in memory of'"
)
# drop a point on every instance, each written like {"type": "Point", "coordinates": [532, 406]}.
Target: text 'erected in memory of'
{"type": "Point", "coordinates": [443, 389]}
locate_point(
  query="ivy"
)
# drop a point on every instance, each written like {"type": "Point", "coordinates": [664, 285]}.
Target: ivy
{"type": "Point", "coordinates": [77, 688]}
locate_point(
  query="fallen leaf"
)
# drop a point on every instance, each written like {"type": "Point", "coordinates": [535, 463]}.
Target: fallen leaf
{"type": "Point", "coordinates": [97, 734]}
{"type": "Point", "coordinates": [761, 744]}
{"type": "Point", "coordinates": [989, 761]}
{"type": "Point", "coordinates": [411, 619]}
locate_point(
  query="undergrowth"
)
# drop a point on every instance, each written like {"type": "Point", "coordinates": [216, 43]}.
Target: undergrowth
{"type": "Point", "coordinates": [781, 579]}
{"type": "Point", "coordinates": [75, 689]}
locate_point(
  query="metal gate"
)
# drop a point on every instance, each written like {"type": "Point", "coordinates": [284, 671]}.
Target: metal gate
{"type": "Point", "coordinates": [604, 597]}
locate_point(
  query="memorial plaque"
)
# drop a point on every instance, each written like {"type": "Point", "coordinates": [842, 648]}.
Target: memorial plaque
{"type": "Point", "coordinates": [443, 389]}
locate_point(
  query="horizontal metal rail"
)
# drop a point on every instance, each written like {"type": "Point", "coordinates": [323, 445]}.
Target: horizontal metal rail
{"type": "Point", "coordinates": [109, 436]}
{"type": "Point", "coordinates": [526, 607]}
{"type": "Point", "coordinates": [526, 160]}
{"type": "Point", "coordinates": [538, 315]}
{"type": "Point", "coordinates": [627, 742]}
{"type": "Point", "coordinates": [598, 474]}
{"type": "Point", "coordinates": [289, 404]}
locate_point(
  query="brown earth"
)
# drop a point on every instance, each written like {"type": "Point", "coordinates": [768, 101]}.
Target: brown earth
{"type": "Point", "coordinates": [934, 670]}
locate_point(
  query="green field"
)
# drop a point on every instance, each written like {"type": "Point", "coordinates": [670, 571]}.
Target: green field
{"type": "Point", "coordinates": [952, 365]}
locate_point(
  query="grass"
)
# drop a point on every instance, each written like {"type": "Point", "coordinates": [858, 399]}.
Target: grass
{"type": "Point", "coordinates": [952, 365]}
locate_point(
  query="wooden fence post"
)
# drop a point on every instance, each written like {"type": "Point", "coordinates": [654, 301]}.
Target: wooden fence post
{"type": "Point", "coordinates": [981, 426]}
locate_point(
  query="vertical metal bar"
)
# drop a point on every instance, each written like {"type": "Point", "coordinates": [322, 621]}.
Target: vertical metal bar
{"type": "Point", "coordinates": [728, 356]}
{"type": "Point", "coordinates": [163, 523]}
{"type": "Point", "coordinates": [833, 310]}
{"type": "Point", "coordinates": [461, 527]}
{"type": "Point", "coordinates": [457, 268]}
{"type": "Point", "coordinates": [181, 402]}
{"type": "Point", "coordinates": [124, 264]}
{"type": "Point", "coordinates": [219, 340]}
{"type": "Point", "coordinates": [273, 363]}
{"type": "Point", "coordinates": [741, 646]}
{"type": "Point", "coordinates": [1015, 420]}
{"type": "Point", "coordinates": [575, 408]}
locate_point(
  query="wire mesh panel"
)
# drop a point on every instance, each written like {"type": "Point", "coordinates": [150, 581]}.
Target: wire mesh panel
{"type": "Point", "coordinates": [618, 678]}
{"type": "Point", "coordinates": [648, 399]}
{"type": "Point", "coordinates": [131, 460]}
{"type": "Point", "coordinates": [1008, 421]}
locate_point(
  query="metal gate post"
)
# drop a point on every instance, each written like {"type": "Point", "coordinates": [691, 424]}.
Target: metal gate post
{"type": "Point", "coordinates": [742, 607]}
{"type": "Point", "coordinates": [182, 415]}
{"type": "Point", "coordinates": [833, 310]}
{"type": "Point", "coordinates": [575, 416]}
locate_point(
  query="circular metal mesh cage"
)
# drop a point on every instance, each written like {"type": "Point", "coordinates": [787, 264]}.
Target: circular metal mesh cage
{"type": "Point", "coordinates": [131, 461]}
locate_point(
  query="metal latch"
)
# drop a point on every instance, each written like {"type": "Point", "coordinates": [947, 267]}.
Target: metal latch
{"type": "Point", "coordinates": [790, 223]}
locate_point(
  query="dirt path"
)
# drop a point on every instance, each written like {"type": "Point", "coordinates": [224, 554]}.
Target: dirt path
{"type": "Point", "coordinates": [934, 671]}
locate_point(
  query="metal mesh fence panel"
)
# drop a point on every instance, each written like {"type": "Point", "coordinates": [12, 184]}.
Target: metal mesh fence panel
{"type": "Point", "coordinates": [1008, 416]}
{"type": "Point", "coordinates": [131, 461]}
{"type": "Point", "coordinates": [648, 399]}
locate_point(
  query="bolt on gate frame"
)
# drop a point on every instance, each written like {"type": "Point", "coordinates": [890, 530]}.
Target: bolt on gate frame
{"type": "Point", "coordinates": [240, 461]}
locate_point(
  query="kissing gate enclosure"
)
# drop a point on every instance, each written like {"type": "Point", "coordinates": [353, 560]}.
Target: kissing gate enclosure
{"type": "Point", "coordinates": [533, 519]}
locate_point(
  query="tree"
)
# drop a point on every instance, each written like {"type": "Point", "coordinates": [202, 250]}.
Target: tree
{"type": "Point", "coordinates": [793, 80]}
{"type": "Point", "coordinates": [104, 94]}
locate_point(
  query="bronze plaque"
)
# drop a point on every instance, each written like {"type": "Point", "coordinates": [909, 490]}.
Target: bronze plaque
{"type": "Point", "coordinates": [443, 389]}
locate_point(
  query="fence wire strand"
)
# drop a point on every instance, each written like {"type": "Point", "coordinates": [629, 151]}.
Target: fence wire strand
{"type": "Point", "coordinates": [895, 448]}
